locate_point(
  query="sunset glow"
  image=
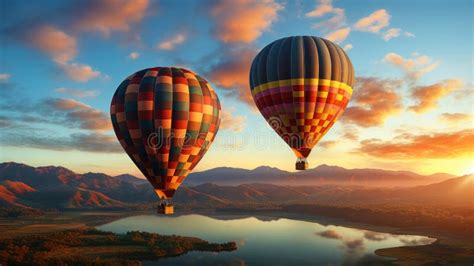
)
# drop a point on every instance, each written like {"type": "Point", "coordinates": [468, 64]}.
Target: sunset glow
{"type": "Point", "coordinates": [412, 105]}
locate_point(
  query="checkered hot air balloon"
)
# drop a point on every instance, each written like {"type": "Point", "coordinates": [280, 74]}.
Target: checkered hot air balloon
{"type": "Point", "coordinates": [301, 85]}
{"type": "Point", "coordinates": [165, 118]}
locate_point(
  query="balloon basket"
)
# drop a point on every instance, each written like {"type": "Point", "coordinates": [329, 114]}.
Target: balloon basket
{"type": "Point", "coordinates": [301, 165]}
{"type": "Point", "coordinates": [165, 209]}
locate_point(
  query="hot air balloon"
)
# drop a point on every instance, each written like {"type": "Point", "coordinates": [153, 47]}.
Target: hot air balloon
{"type": "Point", "coordinates": [165, 118]}
{"type": "Point", "coordinates": [301, 85]}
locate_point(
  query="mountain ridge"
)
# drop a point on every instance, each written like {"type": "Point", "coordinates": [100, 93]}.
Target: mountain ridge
{"type": "Point", "coordinates": [58, 187]}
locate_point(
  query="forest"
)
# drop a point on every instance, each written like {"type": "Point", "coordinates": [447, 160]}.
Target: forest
{"type": "Point", "coordinates": [89, 246]}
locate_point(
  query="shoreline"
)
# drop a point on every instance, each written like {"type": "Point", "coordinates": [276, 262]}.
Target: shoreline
{"type": "Point", "coordinates": [447, 248]}
{"type": "Point", "coordinates": [454, 247]}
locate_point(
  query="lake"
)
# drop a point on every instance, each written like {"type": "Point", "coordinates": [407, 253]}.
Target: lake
{"type": "Point", "coordinates": [267, 241]}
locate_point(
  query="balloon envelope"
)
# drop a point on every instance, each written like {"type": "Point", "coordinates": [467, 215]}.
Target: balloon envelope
{"type": "Point", "coordinates": [301, 85]}
{"type": "Point", "coordinates": [165, 118]}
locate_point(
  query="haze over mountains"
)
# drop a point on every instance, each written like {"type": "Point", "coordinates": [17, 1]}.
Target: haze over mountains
{"type": "Point", "coordinates": [60, 188]}
{"type": "Point", "coordinates": [323, 174]}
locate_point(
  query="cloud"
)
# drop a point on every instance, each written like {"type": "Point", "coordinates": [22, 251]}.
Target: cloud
{"type": "Point", "coordinates": [425, 146]}
{"type": "Point", "coordinates": [427, 97]}
{"type": "Point", "coordinates": [409, 34]}
{"type": "Point", "coordinates": [336, 21]}
{"type": "Point", "coordinates": [78, 72]}
{"type": "Point", "coordinates": [65, 104]}
{"type": "Point", "coordinates": [62, 48]}
{"type": "Point", "coordinates": [374, 236]}
{"type": "Point", "coordinates": [75, 114]}
{"type": "Point", "coordinates": [375, 100]}
{"type": "Point", "coordinates": [373, 22]}
{"type": "Point", "coordinates": [415, 241]}
{"type": "Point", "coordinates": [414, 67]}
{"type": "Point", "coordinates": [134, 55]}
{"type": "Point", "coordinates": [231, 122]}
{"type": "Point", "coordinates": [57, 111]}
{"type": "Point", "coordinates": [347, 47]}
{"type": "Point", "coordinates": [331, 234]}
{"type": "Point", "coordinates": [355, 244]}
{"type": "Point", "coordinates": [391, 33]}
{"type": "Point", "coordinates": [396, 32]}
{"type": "Point", "coordinates": [453, 118]}
{"type": "Point", "coordinates": [106, 16]}
{"type": "Point", "coordinates": [25, 121]}
{"type": "Point", "coordinates": [6, 122]}
{"type": "Point", "coordinates": [231, 73]}
{"type": "Point", "coordinates": [60, 43]}
{"type": "Point", "coordinates": [95, 142]}
{"type": "Point", "coordinates": [54, 42]}
{"type": "Point", "coordinates": [243, 21]}
{"type": "Point", "coordinates": [4, 77]}
{"type": "Point", "coordinates": [89, 142]}
{"type": "Point", "coordinates": [350, 133]}
{"type": "Point", "coordinates": [170, 44]}
{"type": "Point", "coordinates": [338, 35]}
{"type": "Point", "coordinates": [327, 144]}
{"type": "Point", "coordinates": [324, 7]}
{"type": "Point", "coordinates": [77, 93]}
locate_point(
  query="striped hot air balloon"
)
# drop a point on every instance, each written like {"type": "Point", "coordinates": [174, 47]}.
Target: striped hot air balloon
{"type": "Point", "coordinates": [165, 118]}
{"type": "Point", "coordinates": [301, 85]}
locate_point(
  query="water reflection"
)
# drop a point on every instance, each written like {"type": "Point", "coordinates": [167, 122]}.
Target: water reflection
{"type": "Point", "coordinates": [267, 241]}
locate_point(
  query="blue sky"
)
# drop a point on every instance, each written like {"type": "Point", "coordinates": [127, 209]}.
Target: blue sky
{"type": "Point", "coordinates": [429, 51]}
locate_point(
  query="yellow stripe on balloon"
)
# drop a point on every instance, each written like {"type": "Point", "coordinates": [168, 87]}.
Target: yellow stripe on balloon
{"type": "Point", "coordinates": [297, 82]}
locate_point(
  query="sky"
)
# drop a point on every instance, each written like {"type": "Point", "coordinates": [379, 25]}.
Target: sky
{"type": "Point", "coordinates": [411, 109]}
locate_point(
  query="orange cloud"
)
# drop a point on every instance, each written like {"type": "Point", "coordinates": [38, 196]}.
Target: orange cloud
{"type": "Point", "coordinates": [56, 43]}
{"type": "Point", "coordinates": [427, 97]}
{"type": "Point", "coordinates": [354, 244]}
{"type": "Point", "coordinates": [374, 236]}
{"type": "Point", "coordinates": [170, 44]}
{"type": "Point", "coordinates": [428, 146]}
{"type": "Point", "coordinates": [456, 117]}
{"type": "Point", "coordinates": [338, 35]}
{"type": "Point", "coordinates": [232, 73]}
{"type": "Point", "coordinates": [324, 7]}
{"type": "Point", "coordinates": [78, 72]}
{"type": "Point", "coordinates": [327, 144]}
{"type": "Point", "coordinates": [243, 20]}
{"type": "Point", "coordinates": [414, 67]}
{"type": "Point", "coordinates": [111, 15]}
{"type": "Point", "coordinates": [80, 114]}
{"type": "Point", "coordinates": [350, 133]}
{"type": "Point", "coordinates": [67, 104]}
{"type": "Point", "coordinates": [395, 32]}
{"type": "Point", "coordinates": [373, 22]}
{"type": "Point", "coordinates": [231, 122]}
{"type": "Point", "coordinates": [331, 234]}
{"type": "Point", "coordinates": [62, 48]}
{"type": "Point", "coordinates": [375, 100]}
{"type": "Point", "coordinates": [391, 33]}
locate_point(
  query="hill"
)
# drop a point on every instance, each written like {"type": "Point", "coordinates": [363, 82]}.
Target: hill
{"type": "Point", "coordinates": [321, 175]}
{"type": "Point", "coordinates": [58, 187]}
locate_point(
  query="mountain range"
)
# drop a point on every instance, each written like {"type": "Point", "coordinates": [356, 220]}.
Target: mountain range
{"type": "Point", "coordinates": [60, 188]}
{"type": "Point", "coordinates": [321, 175]}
